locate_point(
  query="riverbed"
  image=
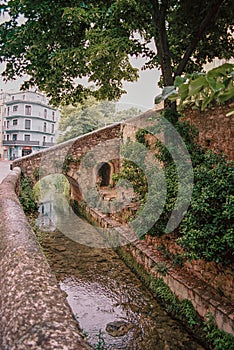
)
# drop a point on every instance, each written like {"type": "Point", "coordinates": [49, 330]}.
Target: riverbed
{"type": "Point", "coordinates": [112, 306]}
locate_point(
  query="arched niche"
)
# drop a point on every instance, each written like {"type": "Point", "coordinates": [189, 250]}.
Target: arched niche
{"type": "Point", "coordinates": [104, 174]}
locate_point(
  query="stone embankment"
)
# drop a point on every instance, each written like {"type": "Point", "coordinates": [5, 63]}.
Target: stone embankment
{"type": "Point", "coordinates": [185, 285]}
{"type": "Point", "coordinates": [33, 311]}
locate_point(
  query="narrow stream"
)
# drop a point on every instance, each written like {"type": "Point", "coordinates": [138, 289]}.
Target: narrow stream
{"type": "Point", "coordinates": [113, 307]}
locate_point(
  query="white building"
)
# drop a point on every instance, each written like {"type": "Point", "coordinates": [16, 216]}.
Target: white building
{"type": "Point", "coordinates": [1, 125]}
{"type": "Point", "coordinates": [29, 124]}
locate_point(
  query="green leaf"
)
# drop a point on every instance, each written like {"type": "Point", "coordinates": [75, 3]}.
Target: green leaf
{"type": "Point", "coordinates": [227, 95]}
{"type": "Point", "coordinates": [179, 80]}
{"type": "Point", "coordinates": [197, 85]}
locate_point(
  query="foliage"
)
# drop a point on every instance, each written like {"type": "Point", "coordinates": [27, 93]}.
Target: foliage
{"type": "Point", "coordinates": [58, 42]}
{"type": "Point", "coordinates": [216, 337]}
{"type": "Point", "coordinates": [206, 231]}
{"type": "Point", "coordinates": [177, 260]}
{"type": "Point", "coordinates": [51, 184]}
{"type": "Point", "coordinates": [101, 342]}
{"type": "Point", "coordinates": [181, 309]}
{"type": "Point", "coordinates": [200, 90]}
{"type": "Point", "coordinates": [83, 118]}
{"type": "Point", "coordinates": [26, 195]}
{"type": "Point", "coordinates": [161, 267]}
{"type": "Point", "coordinates": [140, 137]}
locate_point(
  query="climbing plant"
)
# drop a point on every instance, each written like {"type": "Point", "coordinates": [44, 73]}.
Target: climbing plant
{"type": "Point", "coordinates": [206, 230]}
{"type": "Point", "coordinates": [26, 195]}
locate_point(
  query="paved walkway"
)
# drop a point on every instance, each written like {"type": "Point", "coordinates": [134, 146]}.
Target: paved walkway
{"type": "Point", "coordinates": [4, 169]}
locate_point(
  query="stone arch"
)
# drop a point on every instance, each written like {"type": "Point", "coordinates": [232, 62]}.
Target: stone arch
{"type": "Point", "coordinates": [104, 173]}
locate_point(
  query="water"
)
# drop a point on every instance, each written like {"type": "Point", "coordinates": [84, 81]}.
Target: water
{"type": "Point", "coordinates": [101, 290]}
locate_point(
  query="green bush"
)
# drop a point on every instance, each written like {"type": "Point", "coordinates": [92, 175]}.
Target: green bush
{"type": "Point", "coordinates": [26, 195]}
{"type": "Point", "coordinates": [219, 339]}
{"type": "Point", "coordinates": [206, 231]}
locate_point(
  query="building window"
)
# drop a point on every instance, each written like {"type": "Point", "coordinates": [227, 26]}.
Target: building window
{"type": "Point", "coordinates": [44, 139]}
{"type": "Point", "coordinates": [53, 115]}
{"type": "Point", "coordinates": [8, 123]}
{"type": "Point", "coordinates": [15, 122]}
{"type": "Point", "coordinates": [23, 97]}
{"type": "Point", "coordinates": [52, 140]}
{"type": "Point", "coordinates": [45, 113]}
{"type": "Point", "coordinates": [44, 127]}
{"type": "Point", "coordinates": [52, 128]}
{"type": "Point", "coordinates": [27, 124]}
{"type": "Point", "coordinates": [8, 110]}
{"type": "Point", "coordinates": [15, 108]}
{"type": "Point", "coordinates": [28, 110]}
{"type": "Point", "coordinates": [27, 138]}
{"type": "Point", "coordinates": [14, 137]}
{"type": "Point", "coordinates": [12, 97]}
{"type": "Point", "coordinates": [8, 137]}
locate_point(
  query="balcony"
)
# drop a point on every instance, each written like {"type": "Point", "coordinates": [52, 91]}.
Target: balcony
{"type": "Point", "coordinates": [48, 144]}
{"type": "Point", "coordinates": [20, 143]}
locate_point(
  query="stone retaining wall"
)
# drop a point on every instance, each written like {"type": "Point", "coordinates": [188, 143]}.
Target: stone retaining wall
{"type": "Point", "coordinates": [215, 128]}
{"type": "Point", "coordinates": [33, 310]}
{"type": "Point", "coordinates": [185, 285]}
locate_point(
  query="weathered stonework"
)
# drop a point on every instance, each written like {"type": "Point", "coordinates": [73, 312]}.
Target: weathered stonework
{"type": "Point", "coordinates": [218, 277]}
{"type": "Point", "coordinates": [216, 129]}
{"type": "Point", "coordinates": [214, 132]}
{"type": "Point", "coordinates": [183, 283]}
{"type": "Point", "coordinates": [64, 158]}
{"type": "Point", "coordinates": [33, 310]}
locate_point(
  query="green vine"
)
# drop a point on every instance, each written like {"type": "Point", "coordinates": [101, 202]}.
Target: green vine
{"type": "Point", "coordinates": [26, 195]}
{"type": "Point", "coordinates": [206, 231]}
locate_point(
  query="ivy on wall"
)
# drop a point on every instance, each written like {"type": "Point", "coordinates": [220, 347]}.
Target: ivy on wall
{"type": "Point", "coordinates": [206, 231]}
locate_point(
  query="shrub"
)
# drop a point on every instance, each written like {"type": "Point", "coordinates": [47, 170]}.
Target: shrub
{"type": "Point", "coordinates": [26, 195]}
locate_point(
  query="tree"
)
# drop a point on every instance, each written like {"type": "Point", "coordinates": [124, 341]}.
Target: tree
{"type": "Point", "coordinates": [60, 41]}
{"type": "Point", "coordinates": [90, 115]}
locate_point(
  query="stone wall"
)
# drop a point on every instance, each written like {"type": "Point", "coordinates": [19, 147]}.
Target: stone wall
{"type": "Point", "coordinates": [65, 158]}
{"type": "Point", "coordinates": [182, 283]}
{"type": "Point", "coordinates": [33, 310]}
{"type": "Point", "coordinates": [216, 129]}
{"type": "Point", "coordinates": [216, 275]}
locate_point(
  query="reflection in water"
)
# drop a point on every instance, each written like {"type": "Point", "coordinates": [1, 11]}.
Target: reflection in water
{"type": "Point", "coordinates": [102, 291]}
{"type": "Point", "coordinates": [46, 217]}
{"type": "Point", "coordinates": [55, 212]}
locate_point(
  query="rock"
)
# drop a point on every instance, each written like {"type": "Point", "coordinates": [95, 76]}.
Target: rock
{"type": "Point", "coordinates": [60, 248]}
{"type": "Point", "coordinates": [118, 328]}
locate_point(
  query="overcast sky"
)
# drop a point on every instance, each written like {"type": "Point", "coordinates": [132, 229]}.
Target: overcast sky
{"type": "Point", "coordinates": [139, 94]}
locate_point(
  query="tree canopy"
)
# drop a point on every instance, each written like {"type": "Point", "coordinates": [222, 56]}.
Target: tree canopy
{"type": "Point", "coordinates": [90, 115]}
{"type": "Point", "coordinates": [60, 42]}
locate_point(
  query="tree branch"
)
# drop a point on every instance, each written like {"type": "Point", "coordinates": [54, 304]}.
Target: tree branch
{"type": "Point", "coordinates": [209, 18]}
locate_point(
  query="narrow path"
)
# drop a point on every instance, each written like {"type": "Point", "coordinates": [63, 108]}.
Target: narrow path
{"type": "Point", "coordinates": [4, 169]}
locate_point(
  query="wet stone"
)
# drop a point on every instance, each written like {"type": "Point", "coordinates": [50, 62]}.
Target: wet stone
{"type": "Point", "coordinates": [110, 302]}
{"type": "Point", "coordinates": [60, 248]}
{"type": "Point", "coordinates": [118, 328]}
